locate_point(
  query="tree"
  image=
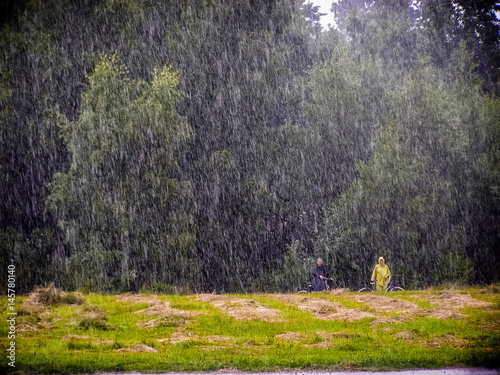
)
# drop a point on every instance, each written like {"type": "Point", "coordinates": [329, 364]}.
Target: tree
{"type": "Point", "coordinates": [447, 26]}
{"type": "Point", "coordinates": [280, 113]}
{"type": "Point", "coordinates": [238, 61]}
{"type": "Point", "coordinates": [382, 28]}
{"type": "Point", "coordinates": [446, 127]}
{"type": "Point", "coordinates": [397, 209]}
{"type": "Point", "coordinates": [125, 212]}
{"type": "Point", "coordinates": [344, 109]}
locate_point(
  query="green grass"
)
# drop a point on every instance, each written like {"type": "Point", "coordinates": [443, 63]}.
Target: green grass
{"type": "Point", "coordinates": [407, 297]}
{"type": "Point", "coordinates": [350, 303]}
{"type": "Point", "coordinates": [213, 339]}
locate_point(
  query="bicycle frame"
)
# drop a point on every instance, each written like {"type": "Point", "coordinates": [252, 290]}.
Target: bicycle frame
{"type": "Point", "coordinates": [389, 288]}
{"type": "Point", "coordinates": [310, 287]}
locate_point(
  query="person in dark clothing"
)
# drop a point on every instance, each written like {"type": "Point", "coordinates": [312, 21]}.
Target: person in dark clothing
{"type": "Point", "coordinates": [319, 274]}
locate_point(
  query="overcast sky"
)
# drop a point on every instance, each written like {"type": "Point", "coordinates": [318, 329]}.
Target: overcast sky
{"type": "Point", "coordinates": [325, 6]}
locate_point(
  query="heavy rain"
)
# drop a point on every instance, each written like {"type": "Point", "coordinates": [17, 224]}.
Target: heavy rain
{"type": "Point", "coordinates": [211, 146]}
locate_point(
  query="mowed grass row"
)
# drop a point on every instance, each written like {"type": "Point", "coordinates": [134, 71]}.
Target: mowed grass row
{"type": "Point", "coordinates": [160, 333]}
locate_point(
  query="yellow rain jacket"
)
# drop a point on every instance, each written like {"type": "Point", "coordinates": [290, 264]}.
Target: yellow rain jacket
{"type": "Point", "coordinates": [380, 273]}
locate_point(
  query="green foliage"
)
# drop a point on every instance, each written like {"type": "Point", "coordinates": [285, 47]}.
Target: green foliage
{"type": "Point", "coordinates": [31, 255]}
{"type": "Point", "coordinates": [454, 268]}
{"type": "Point", "coordinates": [125, 213]}
{"type": "Point", "coordinates": [383, 213]}
{"type": "Point", "coordinates": [123, 173]}
{"type": "Point", "coordinates": [383, 29]}
{"type": "Point", "coordinates": [490, 161]}
{"type": "Point", "coordinates": [343, 115]}
{"type": "Point", "coordinates": [93, 268]}
{"type": "Point", "coordinates": [237, 62]}
{"type": "Point", "coordinates": [157, 288]}
{"type": "Point", "coordinates": [292, 276]}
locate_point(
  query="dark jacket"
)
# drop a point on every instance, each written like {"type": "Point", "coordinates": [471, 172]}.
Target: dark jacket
{"type": "Point", "coordinates": [319, 270]}
{"type": "Point", "coordinates": [317, 283]}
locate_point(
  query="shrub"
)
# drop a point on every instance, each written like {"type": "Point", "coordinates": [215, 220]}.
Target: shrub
{"type": "Point", "coordinates": [454, 268]}
{"type": "Point", "coordinates": [292, 277]}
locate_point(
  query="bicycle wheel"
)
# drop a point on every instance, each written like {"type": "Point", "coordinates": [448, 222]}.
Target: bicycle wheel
{"type": "Point", "coordinates": [327, 287]}
{"type": "Point", "coordinates": [364, 290]}
{"type": "Point", "coordinates": [397, 289]}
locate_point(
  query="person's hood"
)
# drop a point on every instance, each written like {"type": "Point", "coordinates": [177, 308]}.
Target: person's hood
{"type": "Point", "coordinates": [381, 258]}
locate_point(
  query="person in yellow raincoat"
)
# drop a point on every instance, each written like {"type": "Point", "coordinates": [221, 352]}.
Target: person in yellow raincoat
{"type": "Point", "coordinates": [382, 274]}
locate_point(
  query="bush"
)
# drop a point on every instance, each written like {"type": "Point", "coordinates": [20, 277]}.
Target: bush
{"type": "Point", "coordinates": [294, 275]}
{"type": "Point", "coordinates": [454, 268]}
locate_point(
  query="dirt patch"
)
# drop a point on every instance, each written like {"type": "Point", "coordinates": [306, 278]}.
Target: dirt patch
{"type": "Point", "coordinates": [37, 321]}
{"type": "Point", "coordinates": [26, 327]}
{"type": "Point", "coordinates": [154, 323]}
{"type": "Point", "coordinates": [492, 326]}
{"type": "Point", "coordinates": [32, 305]}
{"type": "Point", "coordinates": [166, 315]}
{"type": "Point", "coordinates": [164, 340]}
{"type": "Point", "coordinates": [164, 321]}
{"type": "Point", "coordinates": [325, 335]}
{"type": "Point", "coordinates": [35, 315]}
{"type": "Point", "coordinates": [338, 292]}
{"type": "Point", "coordinates": [443, 312]}
{"type": "Point", "coordinates": [320, 345]}
{"type": "Point", "coordinates": [93, 316]}
{"type": "Point", "coordinates": [406, 335]}
{"type": "Point", "coordinates": [211, 348]}
{"type": "Point", "coordinates": [103, 342]}
{"type": "Point", "coordinates": [181, 336]}
{"type": "Point", "coordinates": [255, 346]}
{"type": "Point", "coordinates": [458, 300]}
{"type": "Point", "coordinates": [390, 320]}
{"type": "Point", "coordinates": [242, 308]}
{"type": "Point", "coordinates": [218, 338]}
{"type": "Point", "coordinates": [163, 308]}
{"type": "Point", "coordinates": [141, 348]}
{"type": "Point", "coordinates": [289, 336]}
{"type": "Point", "coordinates": [436, 342]}
{"type": "Point", "coordinates": [137, 298]}
{"type": "Point", "coordinates": [446, 340]}
{"type": "Point", "coordinates": [53, 296]}
{"type": "Point", "coordinates": [388, 329]}
{"type": "Point", "coordinates": [448, 302]}
{"type": "Point", "coordinates": [387, 304]}
{"type": "Point", "coordinates": [323, 309]}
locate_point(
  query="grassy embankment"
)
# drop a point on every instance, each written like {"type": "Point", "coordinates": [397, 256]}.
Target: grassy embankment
{"type": "Point", "coordinates": [338, 330]}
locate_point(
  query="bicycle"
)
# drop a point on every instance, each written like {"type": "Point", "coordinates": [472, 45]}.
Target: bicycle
{"type": "Point", "coordinates": [389, 288]}
{"type": "Point", "coordinates": [309, 286]}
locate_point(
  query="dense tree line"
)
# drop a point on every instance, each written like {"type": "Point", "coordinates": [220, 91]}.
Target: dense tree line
{"type": "Point", "coordinates": [222, 145]}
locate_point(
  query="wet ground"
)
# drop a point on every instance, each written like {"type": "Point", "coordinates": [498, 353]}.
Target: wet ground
{"type": "Point", "coordinates": [449, 371]}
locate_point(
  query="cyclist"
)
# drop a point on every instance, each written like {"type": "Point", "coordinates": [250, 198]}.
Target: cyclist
{"type": "Point", "coordinates": [318, 275]}
{"type": "Point", "coordinates": [381, 274]}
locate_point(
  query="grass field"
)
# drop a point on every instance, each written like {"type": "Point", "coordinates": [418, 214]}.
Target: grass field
{"type": "Point", "coordinates": [333, 331]}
